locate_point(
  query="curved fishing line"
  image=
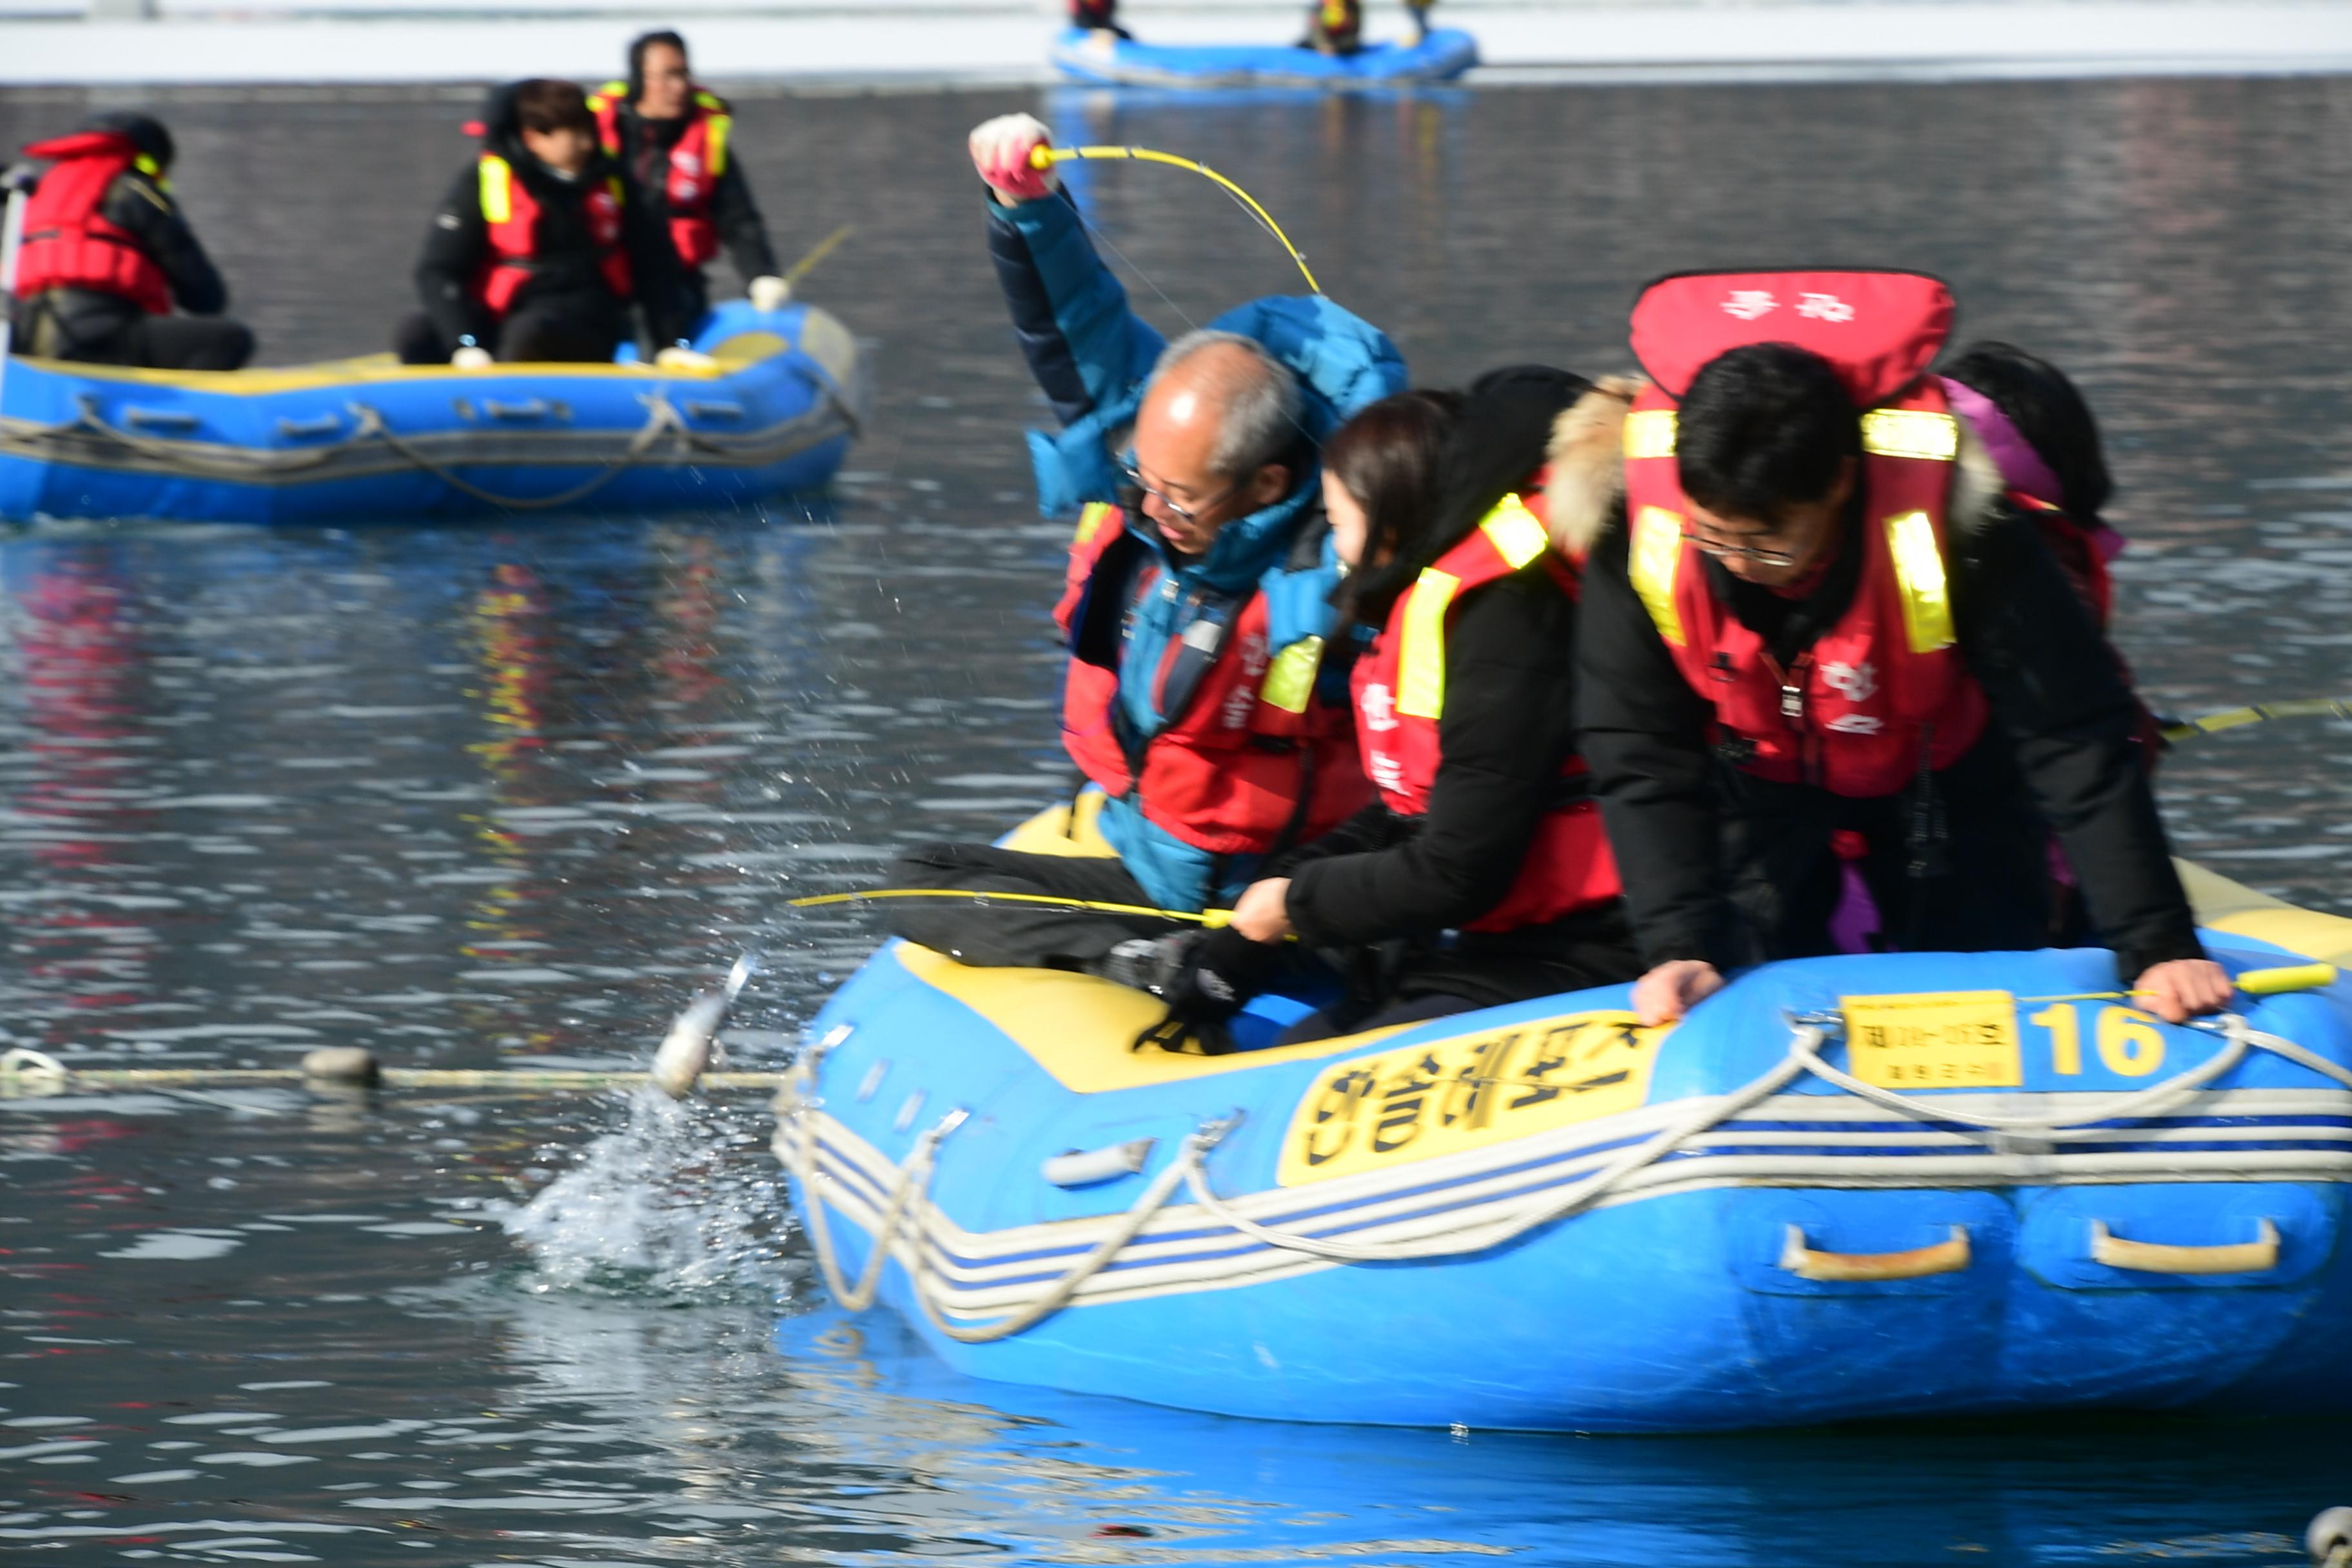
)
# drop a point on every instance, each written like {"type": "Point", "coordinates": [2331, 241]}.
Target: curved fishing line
{"type": "Point", "coordinates": [818, 253]}
{"type": "Point", "coordinates": [2258, 713]}
{"type": "Point", "coordinates": [1212, 919]}
{"type": "Point", "coordinates": [1045, 158]}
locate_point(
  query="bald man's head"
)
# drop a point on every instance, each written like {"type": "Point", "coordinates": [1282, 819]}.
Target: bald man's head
{"type": "Point", "coordinates": [1217, 421]}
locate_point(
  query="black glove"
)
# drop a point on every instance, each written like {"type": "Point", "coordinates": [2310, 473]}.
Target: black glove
{"type": "Point", "coordinates": [1220, 972]}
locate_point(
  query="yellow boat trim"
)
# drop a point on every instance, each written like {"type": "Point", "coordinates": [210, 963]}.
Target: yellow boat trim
{"type": "Point", "coordinates": [1077, 1028]}
{"type": "Point", "coordinates": [2220, 904]}
{"type": "Point", "coordinates": [373, 368]}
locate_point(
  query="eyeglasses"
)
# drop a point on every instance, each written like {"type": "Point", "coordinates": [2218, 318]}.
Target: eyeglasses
{"type": "Point", "coordinates": [1722, 551]}
{"type": "Point", "coordinates": [1180, 512]}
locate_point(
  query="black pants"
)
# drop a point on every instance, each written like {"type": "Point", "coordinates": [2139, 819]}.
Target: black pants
{"type": "Point", "coordinates": [556, 333]}
{"type": "Point", "coordinates": [1959, 868]}
{"type": "Point", "coordinates": [1017, 935]}
{"type": "Point", "coordinates": [153, 343]}
{"type": "Point", "coordinates": [1404, 983]}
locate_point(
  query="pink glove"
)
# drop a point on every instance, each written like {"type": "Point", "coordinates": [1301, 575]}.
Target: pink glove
{"type": "Point", "coordinates": [1001, 149]}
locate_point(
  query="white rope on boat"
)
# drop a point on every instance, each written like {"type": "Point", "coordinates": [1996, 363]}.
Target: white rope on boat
{"type": "Point", "coordinates": [909, 1207]}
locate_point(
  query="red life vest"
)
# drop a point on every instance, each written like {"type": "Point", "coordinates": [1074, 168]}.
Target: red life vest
{"type": "Point", "coordinates": [696, 160]}
{"type": "Point", "coordinates": [1225, 773]}
{"type": "Point", "coordinates": [1886, 685]}
{"type": "Point", "coordinates": [68, 245]}
{"type": "Point", "coordinates": [1399, 690]}
{"type": "Point", "coordinates": [512, 213]}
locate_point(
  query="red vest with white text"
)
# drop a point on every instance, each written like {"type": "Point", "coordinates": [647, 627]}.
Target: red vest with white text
{"type": "Point", "coordinates": [1400, 691]}
{"type": "Point", "coordinates": [68, 245]}
{"type": "Point", "coordinates": [1224, 774]}
{"type": "Point", "coordinates": [512, 213]}
{"type": "Point", "coordinates": [1885, 686]}
{"type": "Point", "coordinates": [697, 160]}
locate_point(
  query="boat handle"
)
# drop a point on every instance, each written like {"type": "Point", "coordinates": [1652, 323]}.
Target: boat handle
{"type": "Point", "coordinates": [1949, 1257]}
{"type": "Point", "coordinates": [324, 424]}
{"type": "Point", "coordinates": [1085, 1167]}
{"type": "Point", "coordinates": [535, 409]}
{"type": "Point", "coordinates": [715, 410]}
{"type": "Point", "coordinates": [2256, 1257]}
{"type": "Point", "coordinates": [160, 418]}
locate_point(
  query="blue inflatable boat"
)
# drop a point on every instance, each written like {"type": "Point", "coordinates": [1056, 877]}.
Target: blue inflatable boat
{"type": "Point", "coordinates": [369, 439]}
{"type": "Point", "coordinates": [1846, 1187]}
{"type": "Point", "coordinates": [1105, 60]}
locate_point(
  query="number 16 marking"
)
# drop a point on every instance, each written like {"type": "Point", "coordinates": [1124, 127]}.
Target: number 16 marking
{"type": "Point", "coordinates": [2129, 1044]}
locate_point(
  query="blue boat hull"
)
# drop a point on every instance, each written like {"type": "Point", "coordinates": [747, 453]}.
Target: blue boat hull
{"type": "Point", "coordinates": [1103, 60]}
{"type": "Point", "coordinates": [369, 439]}
{"type": "Point", "coordinates": [1813, 1256]}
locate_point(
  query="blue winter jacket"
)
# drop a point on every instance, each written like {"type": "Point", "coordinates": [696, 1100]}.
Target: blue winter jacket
{"type": "Point", "coordinates": [1093, 355]}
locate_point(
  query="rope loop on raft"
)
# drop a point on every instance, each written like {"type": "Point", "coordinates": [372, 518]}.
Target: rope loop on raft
{"type": "Point", "coordinates": [906, 1227]}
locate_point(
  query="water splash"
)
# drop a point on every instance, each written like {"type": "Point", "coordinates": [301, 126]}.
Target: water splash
{"type": "Point", "coordinates": [683, 1199]}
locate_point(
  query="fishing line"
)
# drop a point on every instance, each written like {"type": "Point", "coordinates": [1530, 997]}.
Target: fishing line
{"type": "Point", "coordinates": [1042, 158]}
{"type": "Point", "coordinates": [1212, 919]}
{"type": "Point", "coordinates": [817, 253]}
{"type": "Point", "coordinates": [2258, 713]}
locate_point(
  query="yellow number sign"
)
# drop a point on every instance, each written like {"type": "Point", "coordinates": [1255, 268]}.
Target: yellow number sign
{"type": "Point", "coordinates": [1446, 1096]}
{"type": "Point", "coordinates": [1944, 1040]}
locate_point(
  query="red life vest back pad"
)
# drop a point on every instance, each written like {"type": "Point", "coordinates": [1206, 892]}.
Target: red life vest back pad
{"type": "Point", "coordinates": [68, 245]}
{"type": "Point", "coordinates": [1399, 687]}
{"type": "Point", "coordinates": [511, 212]}
{"type": "Point", "coordinates": [1224, 776]}
{"type": "Point", "coordinates": [1885, 684]}
{"type": "Point", "coordinates": [1879, 330]}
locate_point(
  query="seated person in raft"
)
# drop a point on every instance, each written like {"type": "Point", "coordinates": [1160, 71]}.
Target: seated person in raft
{"type": "Point", "coordinates": [676, 138]}
{"type": "Point", "coordinates": [107, 253]}
{"type": "Point", "coordinates": [1815, 611]}
{"type": "Point", "coordinates": [1481, 875]}
{"type": "Point", "coordinates": [542, 246]}
{"type": "Point", "coordinates": [1099, 16]}
{"type": "Point", "coordinates": [1197, 609]}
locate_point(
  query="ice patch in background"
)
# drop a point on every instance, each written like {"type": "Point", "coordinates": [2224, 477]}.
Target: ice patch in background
{"type": "Point", "coordinates": [179, 1245]}
{"type": "Point", "coordinates": [682, 1200]}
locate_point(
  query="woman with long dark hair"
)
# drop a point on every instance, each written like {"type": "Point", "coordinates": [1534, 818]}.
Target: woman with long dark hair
{"type": "Point", "coordinates": [1481, 875]}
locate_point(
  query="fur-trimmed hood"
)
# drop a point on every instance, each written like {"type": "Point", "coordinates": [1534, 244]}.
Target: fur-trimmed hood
{"type": "Point", "coordinates": [1585, 486]}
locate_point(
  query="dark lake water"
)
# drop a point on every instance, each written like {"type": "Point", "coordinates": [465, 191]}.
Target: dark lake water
{"type": "Point", "coordinates": [496, 795]}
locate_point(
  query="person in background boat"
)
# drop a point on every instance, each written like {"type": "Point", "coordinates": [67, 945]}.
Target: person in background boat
{"type": "Point", "coordinates": [1818, 612]}
{"type": "Point", "coordinates": [1335, 27]}
{"type": "Point", "coordinates": [108, 253]}
{"type": "Point", "coordinates": [1196, 695]}
{"type": "Point", "coordinates": [1099, 16]}
{"type": "Point", "coordinates": [1482, 874]}
{"type": "Point", "coordinates": [542, 246]}
{"type": "Point", "coordinates": [676, 139]}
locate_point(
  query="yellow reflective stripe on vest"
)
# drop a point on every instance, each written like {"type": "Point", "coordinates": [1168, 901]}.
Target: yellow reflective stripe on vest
{"type": "Point", "coordinates": [613, 187]}
{"type": "Point", "coordinates": [1514, 532]}
{"type": "Point", "coordinates": [1421, 662]}
{"type": "Point", "coordinates": [1091, 521]}
{"type": "Point", "coordinates": [617, 90]}
{"type": "Point", "coordinates": [1289, 682]}
{"type": "Point", "coordinates": [1919, 580]}
{"type": "Point", "coordinates": [1656, 555]}
{"type": "Point", "coordinates": [1518, 539]}
{"type": "Point", "coordinates": [497, 189]}
{"type": "Point", "coordinates": [1911, 433]}
{"type": "Point", "coordinates": [720, 125]}
{"type": "Point", "coordinates": [1650, 433]}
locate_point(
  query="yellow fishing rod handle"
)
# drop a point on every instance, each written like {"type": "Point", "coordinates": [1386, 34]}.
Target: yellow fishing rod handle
{"type": "Point", "coordinates": [1043, 157]}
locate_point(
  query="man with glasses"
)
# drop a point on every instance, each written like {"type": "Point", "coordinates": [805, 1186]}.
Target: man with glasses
{"type": "Point", "coordinates": [1819, 619]}
{"type": "Point", "coordinates": [1197, 697]}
